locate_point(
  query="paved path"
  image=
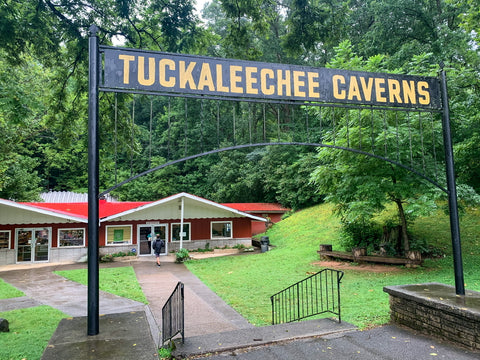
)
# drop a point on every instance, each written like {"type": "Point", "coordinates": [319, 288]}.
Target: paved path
{"type": "Point", "coordinates": [42, 286]}
{"type": "Point", "coordinates": [205, 312]}
{"type": "Point", "coordinates": [382, 343]}
{"type": "Point", "coordinates": [211, 326]}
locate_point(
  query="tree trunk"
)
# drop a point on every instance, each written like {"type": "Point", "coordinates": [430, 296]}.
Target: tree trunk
{"type": "Point", "coordinates": [403, 222]}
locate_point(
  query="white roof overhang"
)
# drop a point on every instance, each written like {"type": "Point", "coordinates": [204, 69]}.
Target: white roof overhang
{"type": "Point", "coordinates": [14, 213]}
{"type": "Point", "coordinates": [170, 208]}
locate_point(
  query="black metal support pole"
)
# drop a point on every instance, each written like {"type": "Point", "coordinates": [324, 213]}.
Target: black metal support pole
{"type": "Point", "coordinates": [93, 188]}
{"type": "Point", "coordinates": [452, 191]}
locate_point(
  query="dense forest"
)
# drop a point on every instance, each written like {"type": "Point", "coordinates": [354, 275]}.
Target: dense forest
{"type": "Point", "coordinates": [44, 100]}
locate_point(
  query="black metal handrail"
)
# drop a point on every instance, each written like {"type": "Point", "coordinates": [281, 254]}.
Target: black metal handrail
{"type": "Point", "coordinates": [173, 320]}
{"type": "Point", "coordinates": [317, 294]}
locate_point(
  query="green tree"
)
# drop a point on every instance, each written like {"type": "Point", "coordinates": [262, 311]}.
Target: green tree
{"type": "Point", "coordinates": [151, 187]}
{"type": "Point", "coordinates": [361, 185]}
{"type": "Point", "coordinates": [24, 96]}
{"type": "Point", "coordinates": [285, 173]}
{"type": "Point", "coordinates": [52, 36]}
{"type": "Point", "coordinates": [470, 17]}
{"type": "Point", "coordinates": [404, 28]}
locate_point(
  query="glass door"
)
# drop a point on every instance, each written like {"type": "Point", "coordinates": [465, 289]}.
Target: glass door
{"type": "Point", "coordinates": [147, 234]}
{"type": "Point", "coordinates": [24, 245]}
{"type": "Point", "coordinates": [41, 245]}
{"type": "Point", "coordinates": [32, 244]}
{"type": "Point", "coordinates": [145, 240]}
{"type": "Point", "coordinates": [161, 233]}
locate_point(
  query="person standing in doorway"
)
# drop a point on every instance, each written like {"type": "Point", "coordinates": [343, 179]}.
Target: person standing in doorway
{"type": "Point", "coordinates": [157, 248]}
{"type": "Point", "coordinates": [149, 241]}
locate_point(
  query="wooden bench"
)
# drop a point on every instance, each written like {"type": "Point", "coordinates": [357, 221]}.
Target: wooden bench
{"type": "Point", "coordinates": [331, 255]}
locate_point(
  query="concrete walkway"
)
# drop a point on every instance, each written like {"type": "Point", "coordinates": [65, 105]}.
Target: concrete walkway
{"type": "Point", "coordinates": [129, 329]}
{"type": "Point", "coordinates": [205, 312]}
{"type": "Point", "coordinates": [43, 287]}
{"type": "Point", "coordinates": [210, 324]}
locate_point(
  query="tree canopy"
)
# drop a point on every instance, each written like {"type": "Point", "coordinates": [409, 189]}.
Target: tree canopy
{"type": "Point", "coordinates": [43, 97]}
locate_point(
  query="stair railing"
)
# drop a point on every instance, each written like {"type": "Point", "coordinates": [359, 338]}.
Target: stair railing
{"type": "Point", "coordinates": [317, 294]}
{"type": "Point", "coordinates": [173, 318]}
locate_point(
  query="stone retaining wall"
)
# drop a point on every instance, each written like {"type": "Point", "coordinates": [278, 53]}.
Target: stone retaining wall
{"type": "Point", "coordinates": [434, 309]}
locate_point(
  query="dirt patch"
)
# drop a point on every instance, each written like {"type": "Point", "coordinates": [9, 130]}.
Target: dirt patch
{"type": "Point", "coordinates": [340, 265]}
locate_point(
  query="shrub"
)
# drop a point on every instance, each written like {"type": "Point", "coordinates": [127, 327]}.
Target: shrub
{"type": "Point", "coordinates": [106, 258]}
{"type": "Point", "coordinates": [360, 233]}
{"type": "Point", "coordinates": [181, 255]}
{"type": "Point", "coordinates": [119, 254]}
{"type": "Point", "coordinates": [425, 249]}
{"type": "Point", "coordinates": [164, 353]}
{"type": "Point", "coordinates": [111, 257]}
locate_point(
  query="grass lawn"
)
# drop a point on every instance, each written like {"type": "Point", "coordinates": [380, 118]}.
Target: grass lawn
{"type": "Point", "coordinates": [120, 281]}
{"type": "Point", "coordinates": [7, 291]}
{"type": "Point", "coordinates": [32, 328]}
{"type": "Point", "coordinates": [30, 331]}
{"type": "Point", "coordinates": [247, 282]}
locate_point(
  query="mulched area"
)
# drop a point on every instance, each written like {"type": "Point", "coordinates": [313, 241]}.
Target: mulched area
{"type": "Point", "coordinates": [342, 265]}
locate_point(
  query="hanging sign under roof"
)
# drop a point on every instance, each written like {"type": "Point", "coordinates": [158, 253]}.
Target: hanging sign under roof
{"type": "Point", "coordinates": [175, 74]}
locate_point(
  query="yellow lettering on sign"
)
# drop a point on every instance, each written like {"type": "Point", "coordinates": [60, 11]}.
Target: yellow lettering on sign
{"type": "Point", "coordinates": [367, 88]}
{"type": "Point", "coordinates": [264, 75]}
{"type": "Point", "coordinates": [313, 84]}
{"type": "Point", "coordinates": [141, 71]}
{"type": "Point", "coordinates": [380, 89]}
{"type": "Point", "coordinates": [220, 86]}
{"type": "Point", "coordinates": [254, 79]}
{"type": "Point", "coordinates": [163, 64]}
{"type": "Point", "coordinates": [250, 80]}
{"type": "Point", "coordinates": [424, 95]}
{"type": "Point", "coordinates": [186, 75]}
{"type": "Point", "coordinates": [354, 90]}
{"type": "Point", "coordinates": [235, 79]}
{"type": "Point", "coordinates": [409, 95]}
{"type": "Point", "coordinates": [336, 81]}
{"type": "Point", "coordinates": [206, 78]}
{"type": "Point", "coordinates": [297, 83]}
{"type": "Point", "coordinates": [126, 67]}
{"type": "Point", "coordinates": [283, 82]}
{"type": "Point", "coordinates": [394, 91]}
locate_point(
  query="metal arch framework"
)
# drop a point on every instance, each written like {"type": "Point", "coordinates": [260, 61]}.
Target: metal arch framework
{"type": "Point", "coordinates": [99, 80]}
{"type": "Point", "coordinates": [243, 146]}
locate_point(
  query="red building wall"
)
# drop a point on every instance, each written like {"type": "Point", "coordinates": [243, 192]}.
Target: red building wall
{"type": "Point", "coordinates": [200, 229]}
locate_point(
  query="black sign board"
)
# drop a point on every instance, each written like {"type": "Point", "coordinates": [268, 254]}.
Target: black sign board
{"type": "Point", "coordinates": [166, 73]}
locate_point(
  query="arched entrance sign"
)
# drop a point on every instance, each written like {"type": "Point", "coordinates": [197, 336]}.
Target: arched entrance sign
{"type": "Point", "coordinates": [156, 73]}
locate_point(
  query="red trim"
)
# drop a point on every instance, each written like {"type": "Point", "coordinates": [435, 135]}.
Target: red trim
{"type": "Point", "coordinates": [81, 209]}
{"type": "Point", "coordinates": [112, 208]}
{"type": "Point", "coordinates": [257, 207]}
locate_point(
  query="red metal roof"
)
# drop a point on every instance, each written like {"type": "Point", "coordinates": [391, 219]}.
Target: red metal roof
{"type": "Point", "coordinates": [257, 207]}
{"type": "Point", "coordinates": [81, 209]}
{"type": "Point", "coordinates": [107, 208]}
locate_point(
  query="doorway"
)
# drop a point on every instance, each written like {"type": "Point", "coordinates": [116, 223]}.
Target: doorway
{"type": "Point", "coordinates": [33, 245]}
{"type": "Point", "coordinates": [147, 234]}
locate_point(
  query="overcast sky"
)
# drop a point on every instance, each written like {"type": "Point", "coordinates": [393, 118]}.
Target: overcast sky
{"type": "Point", "coordinates": [200, 4]}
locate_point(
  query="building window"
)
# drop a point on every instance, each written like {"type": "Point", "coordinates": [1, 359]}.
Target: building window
{"type": "Point", "coordinates": [119, 235]}
{"type": "Point", "coordinates": [176, 232]}
{"type": "Point", "coordinates": [221, 229]}
{"type": "Point", "coordinates": [5, 239]}
{"type": "Point", "coordinates": [71, 237]}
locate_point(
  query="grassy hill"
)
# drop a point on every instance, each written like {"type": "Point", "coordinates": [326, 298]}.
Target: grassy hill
{"type": "Point", "coordinates": [247, 282]}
